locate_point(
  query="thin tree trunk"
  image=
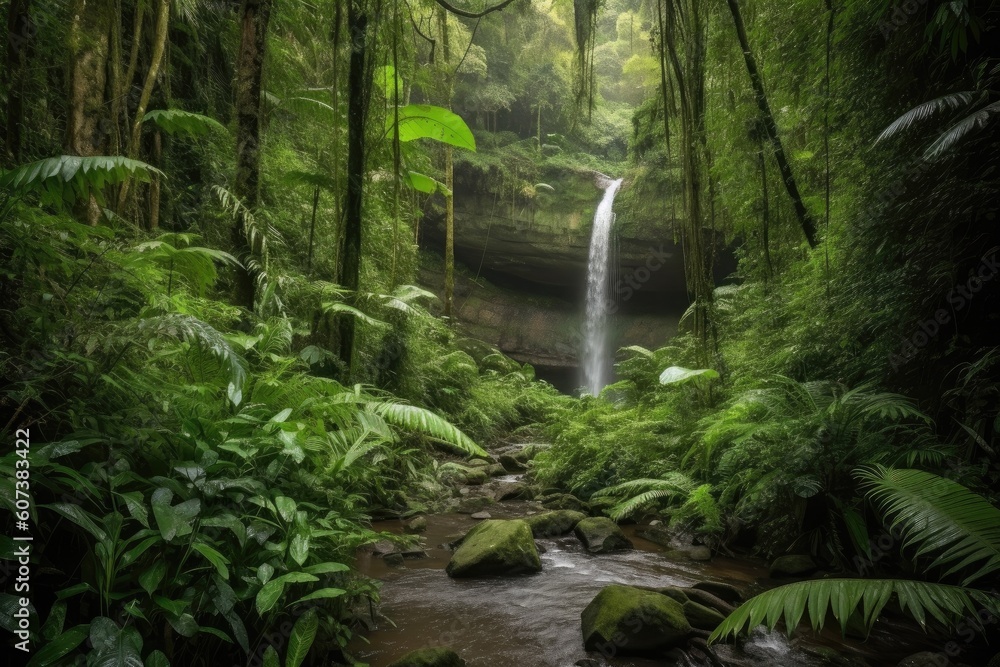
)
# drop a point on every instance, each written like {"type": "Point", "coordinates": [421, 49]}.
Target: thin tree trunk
{"type": "Point", "coordinates": [805, 220]}
{"type": "Point", "coordinates": [88, 51]}
{"type": "Point", "coordinates": [20, 34]}
{"type": "Point", "coordinates": [254, 18]}
{"type": "Point", "coordinates": [159, 47]}
{"type": "Point", "coordinates": [765, 215]}
{"type": "Point", "coordinates": [312, 231]}
{"type": "Point", "coordinates": [359, 85]}
{"type": "Point", "coordinates": [154, 184]}
{"type": "Point", "coordinates": [449, 174]}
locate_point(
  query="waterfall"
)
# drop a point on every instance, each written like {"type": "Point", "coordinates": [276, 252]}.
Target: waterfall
{"type": "Point", "coordinates": [596, 362]}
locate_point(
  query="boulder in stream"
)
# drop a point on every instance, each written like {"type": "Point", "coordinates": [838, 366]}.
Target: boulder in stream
{"type": "Point", "coordinates": [553, 524]}
{"type": "Point", "coordinates": [510, 464]}
{"type": "Point", "coordinates": [417, 525]}
{"type": "Point", "coordinates": [495, 547]}
{"type": "Point", "coordinates": [701, 617]}
{"type": "Point", "coordinates": [925, 659]}
{"type": "Point", "coordinates": [430, 657]}
{"type": "Point", "coordinates": [601, 535]}
{"type": "Point", "coordinates": [473, 504]}
{"type": "Point", "coordinates": [792, 566]}
{"type": "Point", "coordinates": [623, 620]}
{"type": "Point", "coordinates": [725, 592]}
{"type": "Point", "coordinates": [564, 501]}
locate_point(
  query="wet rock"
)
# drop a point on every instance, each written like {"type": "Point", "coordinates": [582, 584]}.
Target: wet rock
{"type": "Point", "coordinates": [393, 559]}
{"type": "Point", "coordinates": [564, 501]}
{"type": "Point", "coordinates": [430, 657]}
{"type": "Point", "coordinates": [383, 547]}
{"type": "Point", "coordinates": [601, 535]}
{"type": "Point", "coordinates": [511, 491]}
{"type": "Point", "coordinates": [658, 535]}
{"type": "Point", "coordinates": [473, 504]}
{"type": "Point", "coordinates": [495, 470]}
{"type": "Point", "coordinates": [495, 547]}
{"type": "Point", "coordinates": [674, 593]}
{"type": "Point", "coordinates": [553, 524]}
{"type": "Point", "coordinates": [476, 476]}
{"type": "Point", "coordinates": [792, 566]}
{"type": "Point", "coordinates": [706, 599]}
{"type": "Point", "coordinates": [587, 662]}
{"type": "Point", "coordinates": [481, 515]}
{"type": "Point", "coordinates": [699, 553]}
{"type": "Point", "coordinates": [701, 617]}
{"type": "Point", "coordinates": [599, 506]}
{"type": "Point", "coordinates": [624, 620]}
{"type": "Point", "coordinates": [655, 522]}
{"type": "Point", "coordinates": [417, 525]}
{"type": "Point", "coordinates": [510, 464]}
{"type": "Point", "coordinates": [479, 463]}
{"type": "Point", "coordinates": [925, 659]}
{"type": "Point", "coordinates": [726, 592]}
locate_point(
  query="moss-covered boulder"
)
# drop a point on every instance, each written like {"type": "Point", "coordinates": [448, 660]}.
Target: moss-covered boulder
{"type": "Point", "coordinates": [476, 476]}
{"type": "Point", "coordinates": [473, 504]}
{"type": "Point", "coordinates": [792, 566]}
{"type": "Point", "coordinates": [601, 535]}
{"type": "Point", "coordinates": [674, 593]}
{"type": "Point", "coordinates": [512, 491]}
{"type": "Point", "coordinates": [430, 657]}
{"type": "Point", "coordinates": [553, 524]}
{"type": "Point", "coordinates": [623, 620]}
{"type": "Point", "coordinates": [495, 547]}
{"type": "Point", "coordinates": [701, 617]}
{"type": "Point", "coordinates": [564, 501]}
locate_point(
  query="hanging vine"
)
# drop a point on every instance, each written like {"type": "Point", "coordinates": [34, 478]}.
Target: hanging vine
{"type": "Point", "coordinates": [585, 21]}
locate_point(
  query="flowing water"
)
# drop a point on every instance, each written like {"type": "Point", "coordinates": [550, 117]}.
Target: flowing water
{"type": "Point", "coordinates": [596, 363]}
{"type": "Point", "coordinates": [534, 620]}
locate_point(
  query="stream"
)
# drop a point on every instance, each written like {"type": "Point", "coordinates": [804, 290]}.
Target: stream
{"type": "Point", "coordinates": [534, 620]}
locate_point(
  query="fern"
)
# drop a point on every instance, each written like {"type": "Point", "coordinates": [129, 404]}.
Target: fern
{"type": "Point", "coordinates": [68, 178]}
{"type": "Point", "coordinates": [645, 491]}
{"type": "Point", "coordinates": [922, 112]}
{"type": "Point", "coordinates": [426, 422]}
{"type": "Point", "coordinates": [176, 121]}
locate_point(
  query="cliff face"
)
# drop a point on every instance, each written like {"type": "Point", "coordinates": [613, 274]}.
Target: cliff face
{"type": "Point", "coordinates": [522, 262]}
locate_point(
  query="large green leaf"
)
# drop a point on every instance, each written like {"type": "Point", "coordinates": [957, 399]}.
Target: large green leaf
{"type": "Point", "coordinates": [938, 517]}
{"type": "Point", "coordinates": [174, 520]}
{"type": "Point", "coordinates": [66, 178]}
{"type": "Point", "coordinates": [424, 121]}
{"type": "Point", "coordinates": [679, 375]}
{"type": "Point", "coordinates": [52, 651]}
{"type": "Point", "coordinates": [947, 604]}
{"type": "Point", "coordinates": [302, 638]}
{"type": "Point", "coordinates": [426, 184]}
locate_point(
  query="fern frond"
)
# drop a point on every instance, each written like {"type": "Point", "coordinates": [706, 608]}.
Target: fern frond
{"type": "Point", "coordinates": [956, 133]}
{"type": "Point", "coordinates": [419, 420]}
{"type": "Point", "coordinates": [176, 121]}
{"type": "Point", "coordinates": [67, 178]}
{"type": "Point", "coordinates": [937, 515]}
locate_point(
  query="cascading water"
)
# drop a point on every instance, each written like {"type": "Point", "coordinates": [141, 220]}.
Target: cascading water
{"type": "Point", "coordinates": [595, 362]}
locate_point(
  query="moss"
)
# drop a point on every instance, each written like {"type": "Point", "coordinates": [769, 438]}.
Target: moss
{"type": "Point", "coordinates": [552, 524]}
{"type": "Point", "coordinates": [601, 535]}
{"type": "Point", "coordinates": [430, 657]}
{"type": "Point", "coordinates": [627, 620]}
{"type": "Point", "coordinates": [495, 547]}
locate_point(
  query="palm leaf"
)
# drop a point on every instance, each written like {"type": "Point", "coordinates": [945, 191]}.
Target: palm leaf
{"type": "Point", "coordinates": [814, 599]}
{"type": "Point", "coordinates": [937, 515]}
{"type": "Point", "coordinates": [922, 112]}
{"type": "Point", "coordinates": [956, 133]}
{"type": "Point", "coordinates": [66, 178]}
{"type": "Point", "coordinates": [423, 421]}
{"type": "Point", "coordinates": [176, 121]}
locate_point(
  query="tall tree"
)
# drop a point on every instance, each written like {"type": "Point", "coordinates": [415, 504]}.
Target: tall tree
{"type": "Point", "coordinates": [805, 219]}
{"type": "Point", "coordinates": [255, 16]}
{"type": "Point", "coordinates": [359, 89]}
{"type": "Point", "coordinates": [20, 35]}
{"type": "Point", "coordinates": [87, 125]}
{"type": "Point", "coordinates": [449, 168]}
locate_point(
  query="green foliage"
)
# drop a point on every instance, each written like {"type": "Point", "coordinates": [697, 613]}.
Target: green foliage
{"type": "Point", "coordinates": [177, 121]}
{"type": "Point", "coordinates": [68, 178]}
{"type": "Point", "coordinates": [423, 121]}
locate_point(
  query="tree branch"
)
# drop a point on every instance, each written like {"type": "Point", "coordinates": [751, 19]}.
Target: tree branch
{"type": "Point", "coordinates": [473, 15]}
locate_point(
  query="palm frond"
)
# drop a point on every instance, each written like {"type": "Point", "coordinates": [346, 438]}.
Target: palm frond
{"type": "Point", "coordinates": [951, 137]}
{"type": "Point", "coordinates": [419, 420]}
{"type": "Point", "coordinates": [922, 112]}
{"type": "Point", "coordinates": [814, 599]}
{"type": "Point", "coordinates": [67, 178]}
{"type": "Point", "coordinates": [937, 515]}
{"type": "Point", "coordinates": [177, 121]}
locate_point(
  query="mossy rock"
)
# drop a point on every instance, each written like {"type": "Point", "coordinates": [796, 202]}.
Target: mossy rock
{"type": "Point", "coordinates": [512, 491]}
{"type": "Point", "coordinates": [701, 617]}
{"type": "Point", "coordinates": [623, 620]}
{"type": "Point", "coordinates": [476, 476]}
{"type": "Point", "coordinates": [495, 470]}
{"type": "Point", "coordinates": [479, 463]}
{"type": "Point", "coordinates": [418, 525]}
{"type": "Point", "coordinates": [601, 535]}
{"type": "Point", "coordinates": [925, 659]}
{"type": "Point", "coordinates": [564, 501]}
{"type": "Point", "coordinates": [553, 524]}
{"type": "Point", "coordinates": [599, 506]}
{"type": "Point", "coordinates": [495, 547]}
{"type": "Point", "coordinates": [792, 566]}
{"type": "Point", "coordinates": [474, 504]}
{"type": "Point", "coordinates": [706, 599]}
{"type": "Point", "coordinates": [430, 657]}
{"type": "Point", "coordinates": [511, 464]}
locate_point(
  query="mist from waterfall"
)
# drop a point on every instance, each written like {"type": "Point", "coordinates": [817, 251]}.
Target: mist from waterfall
{"type": "Point", "coordinates": [596, 362]}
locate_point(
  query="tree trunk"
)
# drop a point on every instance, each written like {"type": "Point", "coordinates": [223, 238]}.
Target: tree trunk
{"type": "Point", "coordinates": [449, 172]}
{"type": "Point", "coordinates": [86, 124]}
{"type": "Point", "coordinates": [359, 86]}
{"type": "Point", "coordinates": [805, 220]}
{"type": "Point", "coordinates": [20, 33]}
{"type": "Point", "coordinates": [154, 183]}
{"type": "Point", "coordinates": [254, 18]}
